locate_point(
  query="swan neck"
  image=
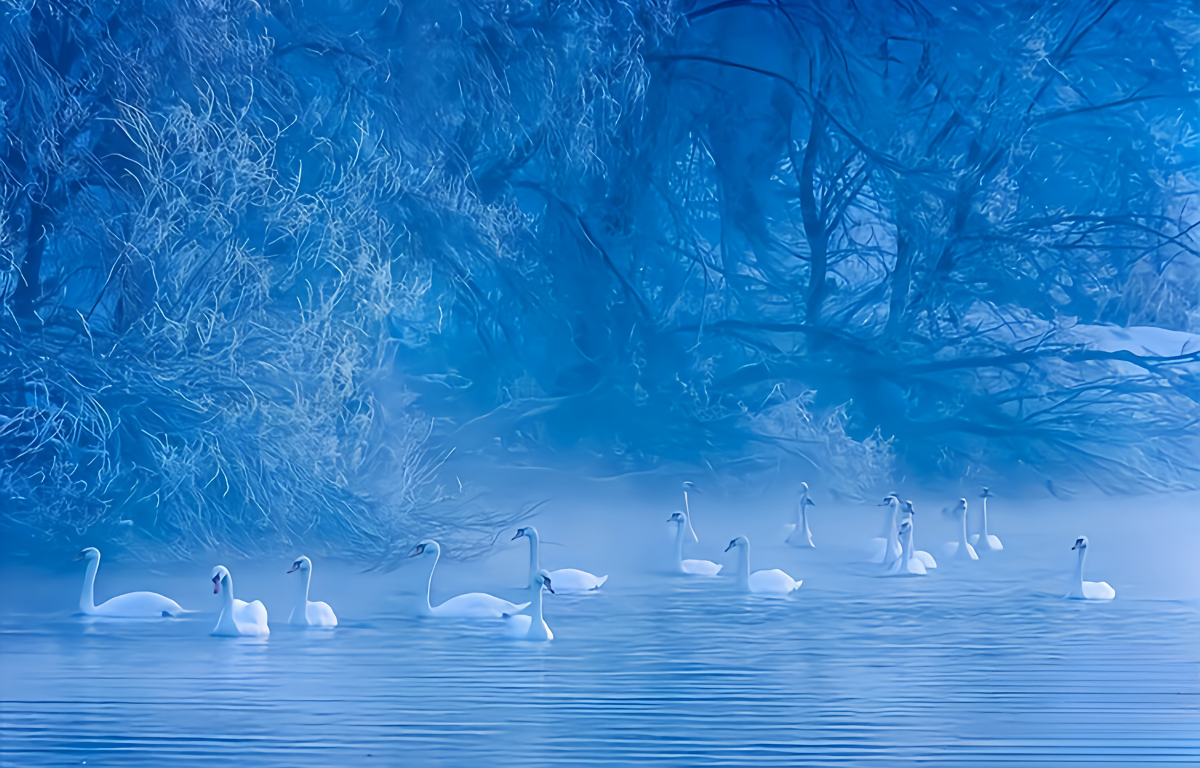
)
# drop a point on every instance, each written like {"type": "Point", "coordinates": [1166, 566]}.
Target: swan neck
{"type": "Point", "coordinates": [537, 607]}
{"type": "Point", "coordinates": [803, 521]}
{"type": "Point", "coordinates": [1078, 580]}
{"type": "Point", "coordinates": [985, 533]}
{"type": "Point", "coordinates": [227, 591]}
{"type": "Point", "coordinates": [87, 598]}
{"type": "Point", "coordinates": [679, 544]}
{"type": "Point", "coordinates": [744, 566]}
{"type": "Point", "coordinates": [302, 586]}
{"type": "Point", "coordinates": [894, 528]}
{"type": "Point", "coordinates": [534, 559]}
{"type": "Point", "coordinates": [425, 606]}
{"type": "Point", "coordinates": [963, 541]}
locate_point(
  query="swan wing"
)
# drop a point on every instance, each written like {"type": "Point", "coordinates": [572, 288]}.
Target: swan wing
{"type": "Point", "coordinates": [1098, 590]}
{"type": "Point", "coordinates": [994, 542]}
{"type": "Point", "coordinates": [925, 558]}
{"type": "Point", "coordinates": [139, 605]}
{"type": "Point", "coordinates": [798, 538]}
{"type": "Point", "coordinates": [573, 580]}
{"type": "Point", "coordinates": [700, 567]}
{"type": "Point", "coordinates": [518, 626]}
{"type": "Point", "coordinates": [320, 615]}
{"type": "Point", "coordinates": [773, 581]}
{"type": "Point", "coordinates": [251, 618]}
{"type": "Point", "coordinates": [476, 605]}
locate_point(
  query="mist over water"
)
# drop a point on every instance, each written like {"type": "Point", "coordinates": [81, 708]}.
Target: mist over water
{"type": "Point", "coordinates": [977, 664]}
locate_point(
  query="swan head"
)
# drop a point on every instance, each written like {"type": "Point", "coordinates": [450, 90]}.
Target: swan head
{"type": "Point", "coordinates": [905, 527]}
{"type": "Point", "coordinates": [528, 530]}
{"type": "Point", "coordinates": [302, 564]}
{"type": "Point", "coordinates": [679, 518]}
{"type": "Point", "coordinates": [889, 500]}
{"type": "Point", "coordinates": [986, 494]}
{"type": "Point", "coordinates": [220, 574]}
{"type": "Point", "coordinates": [543, 580]}
{"type": "Point", "coordinates": [740, 541]}
{"type": "Point", "coordinates": [908, 507]}
{"type": "Point", "coordinates": [90, 553]}
{"type": "Point", "coordinates": [427, 547]}
{"type": "Point", "coordinates": [1080, 544]}
{"type": "Point", "coordinates": [804, 493]}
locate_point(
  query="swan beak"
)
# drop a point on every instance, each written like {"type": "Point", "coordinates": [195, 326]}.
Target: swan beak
{"type": "Point", "coordinates": [810, 502]}
{"type": "Point", "coordinates": [216, 584]}
{"type": "Point", "coordinates": [514, 538]}
{"type": "Point", "coordinates": [417, 550]}
{"type": "Point", "coordinates": [730, 546]}
{"type": "Point", "coordinates": [549, 587]}
{"type": "Point", "coordinates": [79, 557]}
{"type": "Point", "coordinates": [293, 570]}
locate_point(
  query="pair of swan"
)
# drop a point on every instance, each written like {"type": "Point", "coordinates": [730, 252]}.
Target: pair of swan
{"type": "Point", "coordinates": [524, 621]}
{"type": "Point", "coordinates": [132, 605]}
{"type": "Point", "coordinates": [798, 534]}
{"type": "Point", "coordinates": [241, 619]}
{"type": "Point", "coordinates": [895, 549]}
{"type": "Point", "coordinates": [760, 582]}
{"type": "Point", "coordinates": [565, 579]}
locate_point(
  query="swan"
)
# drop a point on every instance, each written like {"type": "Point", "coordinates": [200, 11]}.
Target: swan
{"type": "Point", "coordinates": [798, 533]}
{"type": "Point", "coordinates": [907, 564]}
{"type": "Point", "coordinates": [473, 605]}
{"type": "Point", "coordinates": [132, 605]}
{"type": "Point", "coordinates": [1087, 590]}
{"type": "Point", "coordinates": [238, 618]}
{"type": "Point", "coordinates": [693, 567]}
{"type": "Point", "coordinates": [305, 612]}
{"type": "Point", "coordinates": [886, 549]}
{"type": "Point", "coordinates": [925, 558]}
{"type": "Point", "coordinates": [529, 624]}
{"type": "Point", "coordinates": [961, 549]}
{"type": "Point", "coordinates": [567, 579]}
{"type": "Point", "coordinates": [985, 542]}
{"type": "Point", "coordinates": [772, 582]}
{"type": "Point", "coordinates": [688, 485]}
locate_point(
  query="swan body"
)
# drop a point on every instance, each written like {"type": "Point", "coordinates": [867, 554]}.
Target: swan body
{"type": "Point", "coordinates": [772, 582]}
{"type": "Point", "coordinates": [690, 567]}
{"type": "Point", "coordinates": [1087, 590]}
{"type": "Point", "coordinates": [985, 542]}
{"type": "Point", "coordinates": [798, 533]}
{"type": "Point", "coordinates": [473, 605]}
{"type": "Point", "coordinates": [961, 549]}
{"type": "Point", "coordinates": [908, 564]}
{"type": "Point", "coordinates": [306, 612]}
{"type": "Point", "coordinates": [565, 579]}
{"type": "Point", "coordinates": [238, 618]}
{"type": "Point", "coordinates": [886, 549]}
{"type": "Point", "coordinates": [529, 624]}
{"type": "Point", "coordinates": [131, 605]}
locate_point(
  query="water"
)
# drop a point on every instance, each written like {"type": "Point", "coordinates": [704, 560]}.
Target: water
{"type": "Point", "coordinates": [990, 667]}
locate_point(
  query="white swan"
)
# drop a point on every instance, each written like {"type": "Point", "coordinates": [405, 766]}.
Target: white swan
{"type": "Point", "coordinates": [1087, 590]}
{"type": "Point", "coordinates": [566, 579]}
{"type": "Point", "coordinates": [925, 558]}
{"type": "Point", "coordinates": [473, 605]}
{"type": "Point", "coordinates": [961, 549]}
{"type": "Point", "coordinates": [132, 605]}
{"type": "Point", "coordinates": [529, 624]}
{"type": "Point", "coordinates": [688, 485]}
{"type": "Point", "coordinates": [906, 564]}
{"type": "Point", "coordinates": [304, 611]}
{"type": "Point", "coordinates": [798, 533]}
{"type": "Point", "coordinates": [886, 549]}
{"type": "Point", "coordinates": [986, 542]}
{"type": "Point", "coordinates": [238, 618]}
{"type": "Point", "coordinates": [772, 582]}
{"type": "Point", "coordinates": [693, 567]}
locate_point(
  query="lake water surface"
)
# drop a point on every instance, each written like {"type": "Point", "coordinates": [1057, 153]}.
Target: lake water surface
{"type": "Point", "coordinates": [980, 666]}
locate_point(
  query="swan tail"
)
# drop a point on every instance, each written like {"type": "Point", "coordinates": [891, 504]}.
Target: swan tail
{"type": "Point", "coordinates": [600, 581]}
